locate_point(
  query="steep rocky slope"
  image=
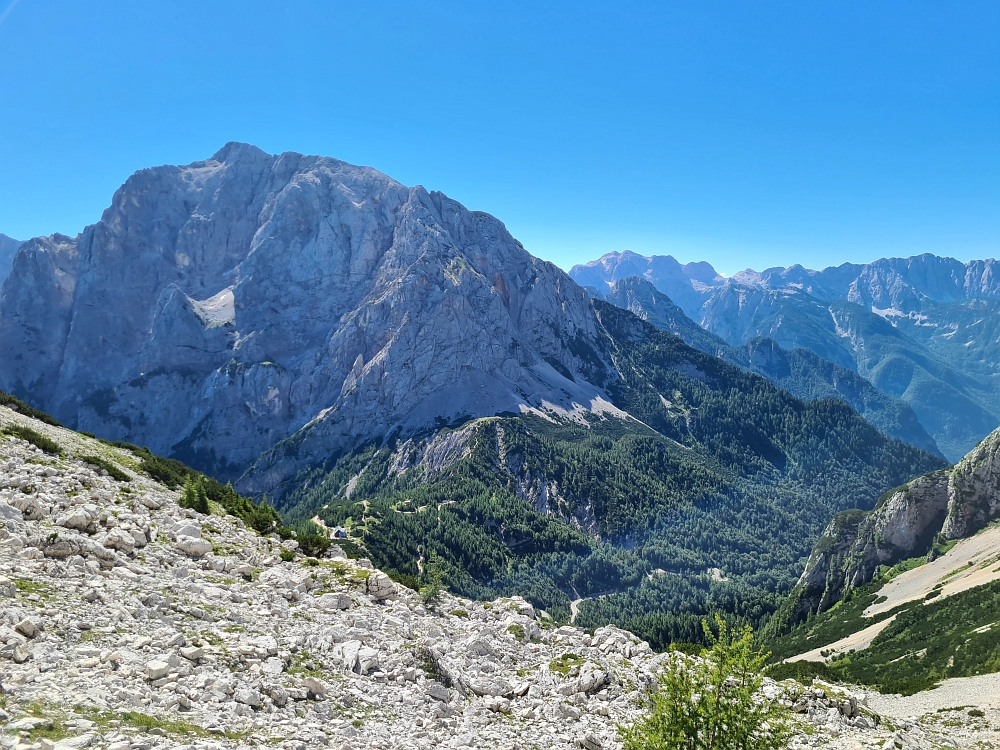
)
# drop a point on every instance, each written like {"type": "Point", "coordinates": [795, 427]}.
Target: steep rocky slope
{"type": "Point", "coordinates": [944, 506]}
{"type": "Point", "coordinates": [921, 329]}
{"type": "Point", "coordinates": [799, 371]}
{"type": "Point", "coordinates": [219, 308]}
{"type": "Point", "coordinates": [129, 622]}
{"type": "Point", "coordinates": [8, 247]}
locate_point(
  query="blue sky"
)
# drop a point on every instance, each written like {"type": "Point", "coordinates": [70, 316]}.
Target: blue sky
{"type": "Point", "coordinates": [745, 134]}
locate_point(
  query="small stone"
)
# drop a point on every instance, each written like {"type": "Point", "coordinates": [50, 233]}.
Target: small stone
{"type": "Point", "coordinates": [192, 653]}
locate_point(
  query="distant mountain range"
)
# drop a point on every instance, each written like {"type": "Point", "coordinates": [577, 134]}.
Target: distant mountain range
{"type": "Point", "coordinates": [378, 357]}
{"type": "Point", "coordinates": [924, 330]}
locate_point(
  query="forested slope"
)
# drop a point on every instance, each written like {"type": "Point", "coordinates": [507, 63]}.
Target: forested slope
{"type": "Point", "coordinates": [708, 497]}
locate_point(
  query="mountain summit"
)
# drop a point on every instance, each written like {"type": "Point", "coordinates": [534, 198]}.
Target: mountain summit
{"type": "Point", "coordinates": [221, 307]}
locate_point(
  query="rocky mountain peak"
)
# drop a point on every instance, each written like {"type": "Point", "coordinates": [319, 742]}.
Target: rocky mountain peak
{"type": "Point", "coordinates": [221, 307]}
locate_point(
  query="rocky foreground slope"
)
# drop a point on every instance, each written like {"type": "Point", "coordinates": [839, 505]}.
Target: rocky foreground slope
{"type": "Point", "coordinates": [130, 622]}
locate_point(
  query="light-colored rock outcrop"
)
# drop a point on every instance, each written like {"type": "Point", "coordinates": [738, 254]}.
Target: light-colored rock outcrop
{"type": "Point", "coordinates": [950, 504]}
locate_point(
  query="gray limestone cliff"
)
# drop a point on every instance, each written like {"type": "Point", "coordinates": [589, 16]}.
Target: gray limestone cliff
{"type": "Point", "coordinates": [248, 301]}
{"type": "Point", "coordinates": [8, 247]}
{"type": "Point", "coordinates": [907, 522]}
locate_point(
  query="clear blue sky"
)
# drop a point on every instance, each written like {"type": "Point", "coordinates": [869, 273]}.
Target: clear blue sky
{"type": "Point", "coordinates": [743, 133]}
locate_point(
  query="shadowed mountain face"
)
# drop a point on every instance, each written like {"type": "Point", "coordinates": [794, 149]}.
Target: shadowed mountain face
{"type": "Point", "coordinates": [222, 307]}
{"type": "Point", "coordinates": [799, 371]}
{"type": "Point", "coordinates": [923, 329]}
{"type": "Point", "coordinates": [8, 246]}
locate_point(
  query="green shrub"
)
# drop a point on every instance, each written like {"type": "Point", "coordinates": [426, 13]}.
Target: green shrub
{"type": "Point", "coordinates": [314, 545]}
{"type": "Point", "coordinates": [404, 579]}
{"type": "Point", "coordinates": [711, 703]}
{"type": "Point", "coordinates": [113, 471]}
{"type": "Point", "coordinates": [37, 439]}
{"type": "Point", "coordinates": [287, 555]}
{"type": "Point", "coordinates": [433, 579]}
{"type": "Point", "coordinates": [16, 404]}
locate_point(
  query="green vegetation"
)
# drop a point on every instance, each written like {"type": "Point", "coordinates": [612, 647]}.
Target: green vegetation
{"type": "Point", "coordinates": [34, 437]}
{"type": "Point", "coordinates": [313, 545]}
{"type": "Point", "coordinates": [711, 704]}
{"type": "Point", "coordinates": [16, 404]}
{"type": "Point", "coordinates": [433, 581]}
{"type": "Point", "coordinates": [194, 496]}
{"type": "Point", "coordinates": [517, 631]}
{"type": "Point", "coordinates": [565, 663]}
{"type": "Point", "coordinates": [260, 517]}
{"type": "Point", "coordinates": [724, 471]}
{"type": "Point", "coordinates": [957, 636]}
{"type": "Point", "coordinates": [286, 555]}
{"type": "Point", "coordinates": [102, 463]}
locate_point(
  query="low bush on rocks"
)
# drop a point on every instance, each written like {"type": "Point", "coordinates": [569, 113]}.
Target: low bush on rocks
{"type": "Point", "coordinates": [313, 545]}
{"type": "Point", "coordinates": [113, 471]}
{"type": "Point", "coordinates": [37, 439]}
{"type": "Point", "coordinates": [712, 703]}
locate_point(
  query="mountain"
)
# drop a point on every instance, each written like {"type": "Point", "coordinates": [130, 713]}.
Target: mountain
{"type": "Point", "coordinates": [919, 329]}
{"type": "Point", "coordinates": [133, 621]}
{"type": "Point", "coordinates": [8, 246]}
{"type": "Point", "coordinates": [704, 494]}
{"type": "Point", "coordinates": [220, 308]}
{"type": "Point", "coordinates": [377, 356]}
{"type": "Point", "coordinates": [686, 284]}
{"type": "Point", "coordinates": [799, 371]}
{"type": "Point", "coordinates": [906, 594]}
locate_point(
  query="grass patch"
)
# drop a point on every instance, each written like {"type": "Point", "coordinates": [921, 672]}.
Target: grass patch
{"type": "Point", "coordinates": [565, 663]}
{"type": "Point", "coordinates": [517, 631]}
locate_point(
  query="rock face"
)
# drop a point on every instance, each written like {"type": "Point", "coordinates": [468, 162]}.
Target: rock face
{"type": "Point", "coordinates": [924, 329]}
{"type": "Point", "coordinates": [8, 247]}
{"type": "Point", "coordinates": [799, 371]}
{"type": "Point", "coordinates": [220, 308]}
{"type": "Point", "coordinates": [145, 647]}
{"type": "Point", "coordinates": [950, 504]}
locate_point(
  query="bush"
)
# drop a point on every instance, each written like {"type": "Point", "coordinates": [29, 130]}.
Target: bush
{"type": "Point", "coordinates": [313, 545]}
{"type": "Point", "coordinates": [433, 578]}
{"type": "Point", "coordinates": [287, 555]}
{"type": "Point", "coordinates": [37, 439]}
{"type": "Point", "coordinates": [712, 703]}
{"type": "Point", "coordinates": [16, 404]}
